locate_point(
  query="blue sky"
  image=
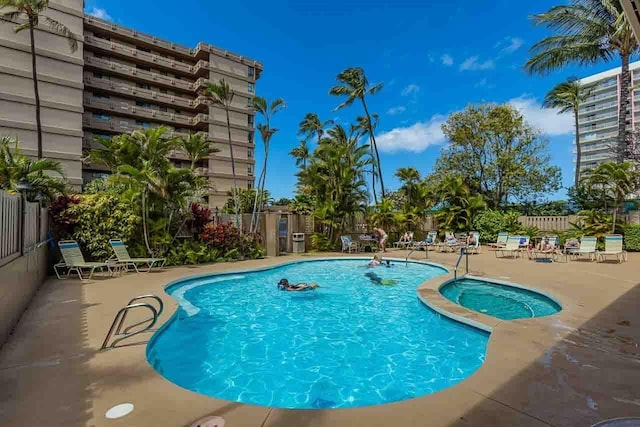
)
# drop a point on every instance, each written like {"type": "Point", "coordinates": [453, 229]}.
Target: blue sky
{"type": "Point", "coordinates": [434, 58]}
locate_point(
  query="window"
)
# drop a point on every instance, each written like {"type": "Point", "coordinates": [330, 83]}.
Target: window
{"type": "Point", "coordinates": [143, 105]}
{"type": "Point", "coordinates": [97, 55]}
{"type": "Point", "coordinates": [101, 96]}
{"type": "Point", "coordinates": [163, 91]}
{"type": "Point", "coordinates": [100, 76]}
{"type": "Point", "coordinates": [101, 36]}
{"type": "Point", "coordinates": [251, 71]}
{"type": "Point", "coordinates": [250, 137]}
{"type": "Point", "coordinates": [143, 124]}
{"type": "Point", "coordinates": [249, 185]}
{"type": "Point", "coordinates": [250, 170]}
{"type": "Point", "coordinates": [249, 120]}
{"type": "Point", "coordinates": [177, 111]}
{"type": "Point", "coordinates": [144, 49]}
{"type": "Point", "coordinates": [163, 109]}
{"type": "Point", "coordinates": [102, 117]}
{"type": "Point", "coordinates": [143, 86]}
{"type": "Point", "coordinates": [143, 68]}
{"type": "Point", "coordinates": [249, 153]}
{"type": "Point", "coordinates": [251, 87]}
{"type": "Point", "coordinates": [249, 102]}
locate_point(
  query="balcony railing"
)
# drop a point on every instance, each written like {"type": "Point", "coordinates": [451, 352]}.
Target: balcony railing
{"type": "Point", "coordinates": [151, 95]}
{"type": "Point", "coordinates": [598, 127]}
{"type": "Point", "coordinates": [597, 107]}
{"type": "Point", "coordinates": [594, 137]}
{"type": "Point", "coordinates": [138, 112]}
{"type": "Point", "coordinates": [600, 117]}
{"type": "Point", "coordinates": [592, 98]}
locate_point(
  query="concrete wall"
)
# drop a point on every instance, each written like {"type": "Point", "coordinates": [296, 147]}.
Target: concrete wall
{"type": "Point", "coordinates": [19, 281]}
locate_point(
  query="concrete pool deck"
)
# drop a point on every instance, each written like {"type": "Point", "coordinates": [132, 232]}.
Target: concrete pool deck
{"type": "Point", "coordinates": [575, 368]}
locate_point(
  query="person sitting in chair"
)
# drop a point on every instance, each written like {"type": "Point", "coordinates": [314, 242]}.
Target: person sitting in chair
{"type": "Point", "coordinates": [284, 285]}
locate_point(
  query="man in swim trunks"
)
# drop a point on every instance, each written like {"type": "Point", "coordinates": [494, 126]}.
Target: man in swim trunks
{"type": "Point", "coordinates": [284, 285]}
{"type": "Point", "coordinates": [383, 238]}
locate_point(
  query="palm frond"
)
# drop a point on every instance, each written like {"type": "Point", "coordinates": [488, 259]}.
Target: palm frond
{"type": "Point", "coordinates": [63, 30]}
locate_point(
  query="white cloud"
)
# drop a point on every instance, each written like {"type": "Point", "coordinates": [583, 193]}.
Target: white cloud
{"type": "Point", "coordinates": [546, 119]}
{"type": "Point", "coordinates": [481, 83]}
{"type": "Point", "coordinates": [396, 110]}
{"type": "Point", "coordinates": [472, 63]}
{"type": "Point", "coordinates": [415, 138]}
{"type": "Point", "coordinates": [511, 44]}
{"type": "Point", "coordinates": [100, 13]}
{"type": "Point", "coordinates": [446, 60]}
{"type": "Point", "coordinates": [411, 89]}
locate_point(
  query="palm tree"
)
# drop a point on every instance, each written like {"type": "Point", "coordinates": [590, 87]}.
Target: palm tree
{"type": "Point", "coordinates": [196, 147]}
{"type": "Point", "coordinates": [459, 205]}
{"type": "Point", "coordinates": [362, 128]}
{"type": "Point", "coordinates": [588, 31]}
{"type": "Point", "coordinates": [618, 181]}
{"type": "Point", "coordinates": [17, 168]}
{"type": "Point", "coordinates": [311, 125]}
{"type": "Point", "coordinates": [267, 111]}
{"type": "Point", "coordinates": [30, 13]}
{"type": "Point", "coordinates": [222, 95]}
{"type": "Point", "coordinates": [301, 154]}
{"type": "Point", "coordinates": [410, 178]}
{"type": "Point", "coordinates": [355, 85]}
{"type": "Point", "coordinates": [567, 97]}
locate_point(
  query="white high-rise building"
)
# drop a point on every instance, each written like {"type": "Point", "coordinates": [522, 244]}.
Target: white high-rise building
{"type": "Point", "coordinates": [598, 115]}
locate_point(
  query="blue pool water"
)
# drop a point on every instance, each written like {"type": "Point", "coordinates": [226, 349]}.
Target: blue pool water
{"type": "Point", "coordinates": [501, 301]}
{"type": "Point", "coordinates": [349, 343]}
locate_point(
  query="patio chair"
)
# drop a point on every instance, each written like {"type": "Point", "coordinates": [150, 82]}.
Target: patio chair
{"type": "Point", "coordinates": [475, 247]}
{"type": "Point", "coordinates": [612, 247]}
{"type": "Point", "coordinates": [450, 243]}
{"type": "Point", "coordinates": [74, 260]}
{"type": "Point", "coordinates": [587, 247]}
{"type": "Point", "coordinates": [501, 242]}
{"type": "Point", "coordinates": [123, 257]}
{"type": "Point", "coordinates": [430, 240]}
{"type": "Point", "coordinates": [546, 253]}
{"type": "Point", "coordinates": [511, 248]}
{"type": "Point", "coordinates": [405, 241]}
{"type": "Point", "coordinates": [348, 245]}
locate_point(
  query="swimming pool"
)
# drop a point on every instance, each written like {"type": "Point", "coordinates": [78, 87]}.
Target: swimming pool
{"type": "Point", "coordinates": [352, 342]}
{"type": "Point", "coordinates": [499, 300]}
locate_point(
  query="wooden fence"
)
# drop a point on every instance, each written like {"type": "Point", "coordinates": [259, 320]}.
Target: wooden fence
{"type": "Point", "coordinates": [12, 245]}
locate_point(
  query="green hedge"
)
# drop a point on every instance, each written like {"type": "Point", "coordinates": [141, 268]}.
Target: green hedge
{"type": "Point", "coordinates": [632, 237]}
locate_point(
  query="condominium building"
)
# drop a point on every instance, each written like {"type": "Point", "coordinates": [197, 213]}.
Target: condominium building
{"type": "Point", "coordinates": [598, 115]}
{"type": "Point", "coordinates": [125, 80]}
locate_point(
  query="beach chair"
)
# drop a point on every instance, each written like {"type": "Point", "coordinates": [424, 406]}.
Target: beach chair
{"type": "Point", "coordinates": [430, 240]}
{"type": "Point", "coordinates": [612, 247]}
{"type": "Point", "coordinates": [511, 248]}
{"type": "Point", "coordinates": [475, 247]}
{"type": "Point", "coordinates": [74, 261]}
{"type": "Point", "coordinates": [548, 253]}
{"type": "Point", "coordinates": [587, 247]}
{"type": "Point", "coordinates": [123, 257]}
{"type": "Point", "coordinates": [405, 241]}
{"type": "Point", "coordinates": [450, 243]}
{"type": "Point", "coordinates": [501, 242]}
{"type": "Point", "coordinates": [348, 245]}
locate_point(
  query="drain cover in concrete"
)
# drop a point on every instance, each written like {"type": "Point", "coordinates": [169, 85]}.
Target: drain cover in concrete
{"type": "Point", "coordinates": [619, 422]}
{"type": "Point", "coordinates": [119, 411]}
{"type": "Point", "coordinates": [210, 421]}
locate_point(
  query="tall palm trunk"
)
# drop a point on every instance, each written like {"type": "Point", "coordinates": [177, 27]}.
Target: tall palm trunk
{"type": "Point", "coordinates": [624, 115]}
{"type": "Point", "coordinates": [36, 92]}
{"type": "Point", "coordinates": [263, 176]}
{"type": "Point", "coordinates": [257, 200]}
{"type": "Point", "coordinates": [578, 149]}
{"type": "Point", "coordinates": [375, 146]}
{"type": "Point", "coordinates": [145, 231]}
{"type": "Point", "coordinates": [236, 202]}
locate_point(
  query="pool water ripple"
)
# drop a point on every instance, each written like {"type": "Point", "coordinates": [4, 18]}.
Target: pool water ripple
{"type": "Point", "coordinates": [349, 343]}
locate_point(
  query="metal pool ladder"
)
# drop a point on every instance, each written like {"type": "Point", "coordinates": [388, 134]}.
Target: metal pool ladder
{"type": "Point", "coordinates": [465, 253]}
{"type": "Point", "coordinates": [417, 248]}
{"type": "Point", "coordinates": [118, 321]}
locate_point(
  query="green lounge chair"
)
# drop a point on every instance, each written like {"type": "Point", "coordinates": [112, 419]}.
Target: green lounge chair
{"type": "Point", "coordinates": [613, 247]}
{"type": "Point", "coordinates": [501, 242]}
{"type": "Point", "coordinates": [74, 260]}
{"type": "Point", "coordinates": [512, 248]}
{"type": "Point", "coordinates": [123, 257]}
{"type": "Point", "coordinates": [587, 247]}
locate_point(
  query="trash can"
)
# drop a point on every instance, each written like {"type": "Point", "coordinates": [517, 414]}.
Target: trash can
{"type": "Point", "coordinates": [298, 243]}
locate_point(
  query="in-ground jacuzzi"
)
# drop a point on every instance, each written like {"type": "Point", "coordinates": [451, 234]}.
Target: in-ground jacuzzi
{"type": "Point", "coordinates": [505, 301]}
{"type": "Point", "coordinates": [362, 338]}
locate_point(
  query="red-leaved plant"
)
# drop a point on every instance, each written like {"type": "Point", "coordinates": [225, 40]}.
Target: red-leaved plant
{"type": "Point", "coordinates": [62, 222]}
{"type": "Point", "coordinates": [200, 216]}
{"type": "Point", "coordinates": [221, 236]}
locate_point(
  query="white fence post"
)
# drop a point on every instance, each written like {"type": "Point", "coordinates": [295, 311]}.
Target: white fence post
{"type": "Point", "coordinates": [10, 211]}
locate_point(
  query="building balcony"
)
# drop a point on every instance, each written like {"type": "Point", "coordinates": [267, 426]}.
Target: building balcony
{"type": "Point", "coordinates": [598, 107]}
{"type": "Point", "coordinates": [204, 118]}
{"type": "Point", "coordinates": [129, 110]}
{"type": "Point", "coordinates": [596, 137]}
{"type": "Point", "coordinates": [129, 91]}
{"type": "Point", "coordinates": [608, 125]}
{"type": "Point", "coordinates": [608, 95]}
{"type": "Point", "coordinates": [138, 56]}
{"type": "Point", "coordinates": [602, 116]}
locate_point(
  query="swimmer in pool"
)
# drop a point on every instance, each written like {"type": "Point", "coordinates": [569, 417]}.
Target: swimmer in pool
{"type": "Point", "coordinates": [375, 262]}
{"type": "Point", "coordinates": [284, 285]}
{"type": "Point", "coordinates": [377, 280]}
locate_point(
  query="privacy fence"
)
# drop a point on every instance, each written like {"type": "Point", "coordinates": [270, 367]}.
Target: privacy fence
{"type": "Point", "coordinates": [20, 224]}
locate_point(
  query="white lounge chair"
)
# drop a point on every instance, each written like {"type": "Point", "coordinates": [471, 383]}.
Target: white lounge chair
{"type": "Point", "coordinates": [430, 240]}
{"type": "Point", "coordinates": [123, 257]}
{"type": "Point", "coordinates": [587, 247]}
{"type": "Point", "coordinates": [501, 242]}
{"type": "Point", "coordinates": [74, 261]}
{"type": "Point", "coordinates": [405, 241]}
{"type": "Point", "coordinates": [613, 246]}
{"type": "Point", "coordinates": [475, 247]}
{"type": "Point", "coordinates": [512, 248]}
{"type": "Point", "coordinates": [548, 253]}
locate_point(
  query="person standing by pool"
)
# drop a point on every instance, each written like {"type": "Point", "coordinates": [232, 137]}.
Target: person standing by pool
{"type": "Point", "coordinates": [383, 238]}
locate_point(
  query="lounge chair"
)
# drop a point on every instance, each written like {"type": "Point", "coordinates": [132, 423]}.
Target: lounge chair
{"type": "Point", "coordinates": [123, 257]}
{"type": "Point", "coordinates": [612, 247]}
{"type": "Point", "coordinates": [587, 247]}
{"type": "Point", "coordinates": [450, 243]}
{"type": "Point", "coordinates": [475, 247]}
{"type": "Point", "coordinates": [348, 245]}
{"type": "Point", "coordinates": [547, 253]}
{"type": "Point", "coordinates": [430, 240]}
{"type": "Point", "coordinates": [405, 241]}
{"type": "Point", "coordinates": [74, 260]}
{"type": "Point", "coordinates": [501, 242]}
{"type": "Point", "coordinates": [511, 248]}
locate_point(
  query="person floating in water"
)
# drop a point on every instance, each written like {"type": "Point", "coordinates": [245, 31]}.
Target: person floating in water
{"type": "Point", "coordinates": [375, 262]}
{"type": "Point", "coordinates": [377, 280]}
{"type": "Point", "coordinates": [284, 285]}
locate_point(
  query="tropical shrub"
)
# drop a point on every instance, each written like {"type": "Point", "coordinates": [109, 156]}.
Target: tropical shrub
{"type": "Point", "coordinates": [322, 243]}
{"type": "Point", "coordinates": [100, 217]}
{"type": "Point", "coordinates": [632, 237]}
{"type": "Point", "coordinates": [192, 252]}
{"type": "Point", "coordinates": [223, 237]}
{"type": "Point", "coordinates": [200, 216]}
{"type": "Point", "coordinates": [62, 222]}
{"type": "Point", "coordinates": [489, 223]}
